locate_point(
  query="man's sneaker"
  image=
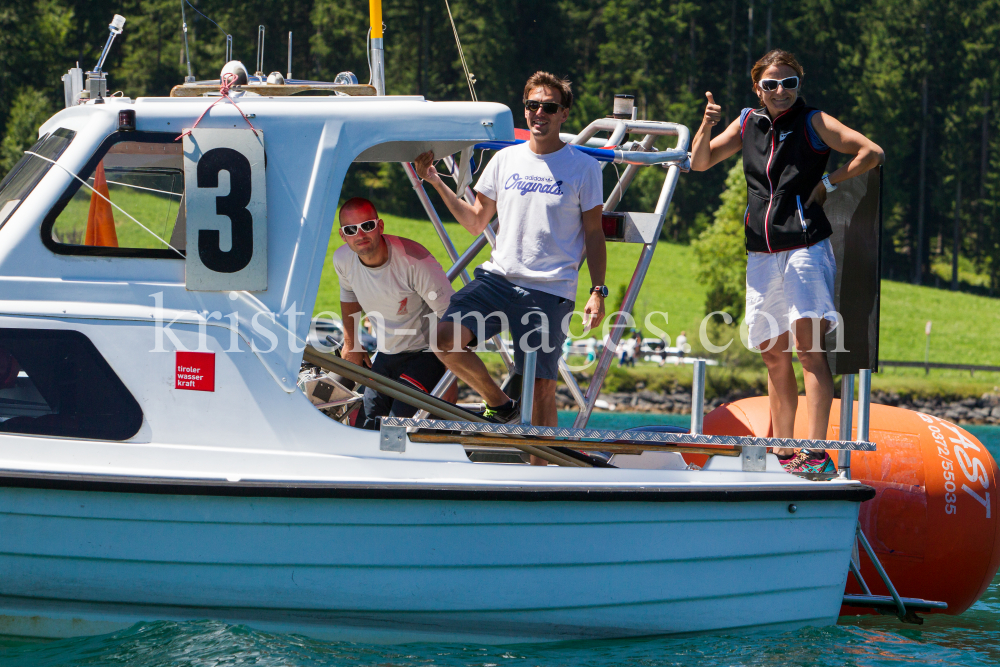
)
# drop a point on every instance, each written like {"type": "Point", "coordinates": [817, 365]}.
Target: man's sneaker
{"type": "Point", "coordinates": [509, 413]}
{"type": "Point", "coordinates": [810, 462]}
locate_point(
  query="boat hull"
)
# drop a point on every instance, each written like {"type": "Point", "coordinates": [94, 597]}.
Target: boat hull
{"type": "Point", "coordinates": [394, 569]}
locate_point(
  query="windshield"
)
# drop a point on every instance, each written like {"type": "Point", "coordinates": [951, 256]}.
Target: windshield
{"type": "Point", "coordinates": [25, 175]}
{"type": "Point", "coordinates": [127, 202]}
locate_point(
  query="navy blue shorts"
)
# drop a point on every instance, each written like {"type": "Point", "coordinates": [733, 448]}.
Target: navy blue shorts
{"type": "Point", "coordinates": [536, 320]}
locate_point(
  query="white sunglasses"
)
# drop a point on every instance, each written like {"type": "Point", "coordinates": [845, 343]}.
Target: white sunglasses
{"type": "Point", "coordinates": [770, 85]}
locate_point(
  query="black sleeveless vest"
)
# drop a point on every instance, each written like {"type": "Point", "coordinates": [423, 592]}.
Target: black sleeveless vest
{"type": "Point", "coordinates": [779, 163]}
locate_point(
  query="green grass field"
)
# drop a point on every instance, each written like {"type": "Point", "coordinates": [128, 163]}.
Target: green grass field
{"type": "Point", "coordinates": [963, 329]}
{"type": "Point", "coordinates": [668, 287]}
{"type": "Point", "coordinates": [965, 326]}
{"type": "Point", "coordinates": [157, 212]}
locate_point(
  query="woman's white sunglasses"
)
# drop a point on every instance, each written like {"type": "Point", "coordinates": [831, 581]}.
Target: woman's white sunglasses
{"type": "Point", "coordinates": [790, 83]}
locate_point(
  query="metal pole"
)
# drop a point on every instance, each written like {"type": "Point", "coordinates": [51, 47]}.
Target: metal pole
{"type": "Point", "coordinates": [116, 29]}
{"type": "Point", "coordinates": [615, 139]}
{"type": "Point", "coordinates": [927, 349]}
{"type": "Point", "coordinates": [449, 247]}
{"type": "Point", "coordinates": [470, 253]}
{"type": "Point", "coordinates": [435, 219]}
{"type": "Point", "coordinates": [187, 53]}
{"type": "Point", "coordinates": [574, 388]}
{"type": "Point", "coordinates": [900, 607]}
{"type": "Point", "coordinates": [857, 575]}
{"type": "Point", "coordinates": [630, 171]}
{"type": "Point", "coordinates": [289, 55]}
{"type": "Point", "coordinates": [377, 54]}
{"type": "Point", "coordinates": [260, 52]}
{"type": "Point", "coordinates": [864, 408]}
{"type": "Point", "coordinates": [438, 392]}
{"type": "Point", "coordinates": [846, 423]}
{"type": "Point", "coordinates": [698, 397]}
{"type": "Point", "coordinates": [528, 387]}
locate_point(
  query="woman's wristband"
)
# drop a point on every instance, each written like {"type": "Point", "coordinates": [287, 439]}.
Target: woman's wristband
{"type": "Point", "coordinates": [830, 187]}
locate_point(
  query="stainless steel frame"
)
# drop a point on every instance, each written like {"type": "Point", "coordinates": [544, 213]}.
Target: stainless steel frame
{"type": "Point", "coordinates": [378, 66]}
{"type": "Point", "coordinates": [650, 129]}
{"type": "Point", "coordinates": [528, 393]}
{"type": "Point", "coordinates": [642, 154]}
{"type": "Point", "coordinates": [698, 397]}
{"type": "Point", "coordinates": [846, 422]}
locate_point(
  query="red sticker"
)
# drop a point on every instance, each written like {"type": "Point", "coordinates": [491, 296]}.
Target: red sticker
{"type": "Point", "coordinates": [195, 371]}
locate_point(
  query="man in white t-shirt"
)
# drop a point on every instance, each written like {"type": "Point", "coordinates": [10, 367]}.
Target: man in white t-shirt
{"type": "Point", "coordinates": [402, 289]}
{"type": "Point", "coordinates": [548, 198]}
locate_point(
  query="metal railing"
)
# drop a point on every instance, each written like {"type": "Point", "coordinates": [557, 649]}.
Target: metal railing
{"type": "Point", "coordinates": [651, 130]}
{"type": "Point", "coordinates": [642, 154]}
{"type": "Point", "coordinates": [928, 365]}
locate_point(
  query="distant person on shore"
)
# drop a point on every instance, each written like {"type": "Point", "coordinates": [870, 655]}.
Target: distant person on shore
{"type": "Point", "coordinates": [681, 343]}
{"type": "Point", "coordinates": [397, 283]}
{"type": "Point", "coordinates": [790, 265]}
{"type": "Point", "coordinates": [548, 197]}
{"type": "Point", "coordinates": [628, 352]}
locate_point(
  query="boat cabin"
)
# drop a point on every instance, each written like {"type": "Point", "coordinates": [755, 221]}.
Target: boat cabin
{"type": "Point", "coordinates": [142, 336]}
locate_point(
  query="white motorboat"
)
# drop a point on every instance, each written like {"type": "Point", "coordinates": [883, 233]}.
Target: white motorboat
{"type": "Point", "coordinates": [158, 459]}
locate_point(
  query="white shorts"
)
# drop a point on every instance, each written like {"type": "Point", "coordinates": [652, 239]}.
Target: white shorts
{"type": "Point", "coordinates": [786, 286]}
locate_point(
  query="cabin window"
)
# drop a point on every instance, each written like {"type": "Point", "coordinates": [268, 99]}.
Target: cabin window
{"type": "Point", "coordinates": [132, 205]}
{"type": "Point", "coordinates": [56, 383]}
{"type": "Point", "coordinates": [30, 169]}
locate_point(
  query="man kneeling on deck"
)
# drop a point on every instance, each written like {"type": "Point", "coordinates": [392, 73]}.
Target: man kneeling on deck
{"type": "Point", "coordinates": [402, 288]}
{"type": "Point", "coordinates": [548, 198]}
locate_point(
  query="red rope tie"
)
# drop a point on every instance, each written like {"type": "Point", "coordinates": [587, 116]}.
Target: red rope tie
{"type": "Point", "coordinates": [226, 82]}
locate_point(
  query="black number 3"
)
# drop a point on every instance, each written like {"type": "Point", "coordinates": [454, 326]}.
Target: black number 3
{"type": "Point", "coordinates": [232, 205]}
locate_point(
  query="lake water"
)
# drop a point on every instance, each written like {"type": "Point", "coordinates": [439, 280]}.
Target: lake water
{"type": "Point", "coordinates": [970, 639]}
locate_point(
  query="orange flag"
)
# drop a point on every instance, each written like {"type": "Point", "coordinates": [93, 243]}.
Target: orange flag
{"type": "Point", "coordinates": [100, 220]}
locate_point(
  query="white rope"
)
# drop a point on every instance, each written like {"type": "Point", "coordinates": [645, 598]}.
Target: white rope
{"type": "Point", "coordinates": [139, 187]}
{"type": "Point", "coordinates": [107, 200]}
{"type": "Point", "coordinates": [461, 54]}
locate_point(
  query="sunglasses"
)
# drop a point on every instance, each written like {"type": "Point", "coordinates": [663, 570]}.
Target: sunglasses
{"type": "Point", "coordinates": [366, 226]}
{"type": "Point", "coordinates": [791, 83]}
{"type": "Point", "coordinates": [547, 107]}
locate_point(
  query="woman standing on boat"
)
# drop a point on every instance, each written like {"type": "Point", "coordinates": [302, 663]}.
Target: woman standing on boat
{"type": "Point", "coordinates": [790, 264]}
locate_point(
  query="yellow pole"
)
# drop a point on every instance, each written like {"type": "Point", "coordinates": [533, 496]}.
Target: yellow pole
{"type": "Point", "coordinates": [375, 12]}
{"type": "Point", "coordinates": [377, 54]}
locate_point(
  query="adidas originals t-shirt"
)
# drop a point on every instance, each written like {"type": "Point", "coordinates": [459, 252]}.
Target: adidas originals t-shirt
{"type": "Point", "coordinates": [398, 295]}
{"type": "Point", "coordinates": [540, 200]}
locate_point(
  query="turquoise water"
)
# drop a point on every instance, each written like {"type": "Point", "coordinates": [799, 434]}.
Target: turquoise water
{"type": "Point", "coordinates": [970, 639]}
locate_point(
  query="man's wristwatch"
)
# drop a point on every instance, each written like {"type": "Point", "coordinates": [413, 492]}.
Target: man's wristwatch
{"type": "Point", "coordinates": [600, 290]}
{"type": "Point", "coordinates": [830, 187]}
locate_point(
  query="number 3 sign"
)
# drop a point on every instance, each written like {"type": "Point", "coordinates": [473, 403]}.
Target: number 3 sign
{"type": "Point", "coordinates": [226, 210]}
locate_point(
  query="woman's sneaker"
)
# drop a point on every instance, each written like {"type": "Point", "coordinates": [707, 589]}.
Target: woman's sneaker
{"type": "Point", "coordinates": [810, 462]}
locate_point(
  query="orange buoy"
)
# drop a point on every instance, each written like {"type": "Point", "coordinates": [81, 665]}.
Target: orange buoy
{"type": "Point", "coordinates": [933, 521]}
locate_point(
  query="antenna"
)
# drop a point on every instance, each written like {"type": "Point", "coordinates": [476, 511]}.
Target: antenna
{"type": "Point", "coordinates": [229, 48]}
{"type": "Point", "coordinates": [289, 56]}
{"type": "Point", "coordinates": [97, 84]}
{"type": "Point", "coordinates": [187, 54]}
{"type": "Point", "coordinates": [116, 29]}
{"type": "Point", "coordinates": [260, 52]}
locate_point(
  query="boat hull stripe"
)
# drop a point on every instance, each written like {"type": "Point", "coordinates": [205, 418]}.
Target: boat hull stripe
{"type": "Point", "coordinates": [290, 489]}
